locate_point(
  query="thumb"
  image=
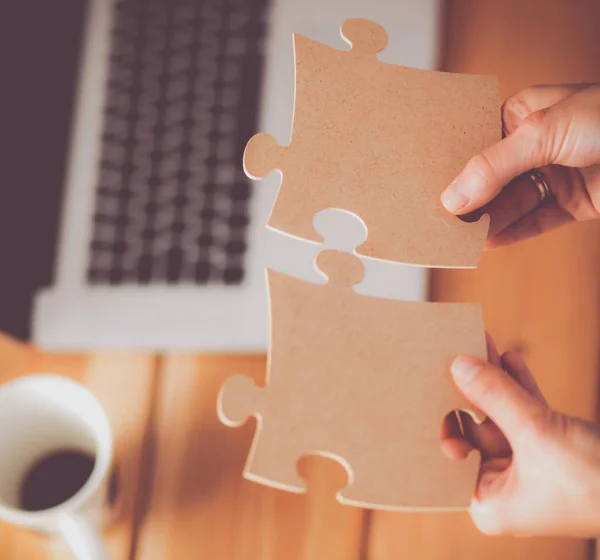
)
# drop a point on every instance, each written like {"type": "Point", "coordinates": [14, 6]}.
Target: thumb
{"type": "Point", "coordinates": [496, 393]}
{"type": "Point", "coordinates": [530, 146]}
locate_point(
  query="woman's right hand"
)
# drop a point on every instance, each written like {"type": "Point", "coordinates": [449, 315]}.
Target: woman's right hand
{"type": "Point", "coordinates": [555, 129]}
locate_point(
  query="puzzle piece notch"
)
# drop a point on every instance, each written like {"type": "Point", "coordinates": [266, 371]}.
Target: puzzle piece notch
{"type": "Point", "coordinates": [340, 229]}
{"type": "Point", "coordinates": [235, 396]}
{"type": "Point", "coordinates": [262, 155]}
{"type": "Point", "coordinates": [240, 398]}
{"type": "Point", "coordinates": [342, 270]}
{"type": "Point", "coordinates": [366, 38]}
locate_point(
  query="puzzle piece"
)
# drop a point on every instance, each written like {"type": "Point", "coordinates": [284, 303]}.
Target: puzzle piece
{"type": "Point", "coordinates": [382, 141]}
{"type": "Point", "coordinates": [363, 380]}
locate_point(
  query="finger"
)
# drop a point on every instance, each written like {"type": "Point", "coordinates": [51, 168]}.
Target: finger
{"type": "Point", "coordinates": [485, 174]}
{"type": "Point", "coordinates": [520, 372]}
{"type": "Point", "coordinates": [452, 441]}
{"type": "Point", "coordinates": [493, 477]}
{"type": "Point", "coordinates": [456, 449]}
{"type": "Point", "coordinates": [487, 438]}
{"type": "Point", "coordinates": [450, 427]}
{"type": "Point", "coordinates": [517, 199]}
{"type": "Point", "coordinates": [493, 391]}
{"type": "Point", "coordinates": [522, 197]}
{"type": "Point", "coordinates": [492, 351]}
{"type": "Point", "coordinates": [542, 219]}
{"type": "Point", "coordinates": [519, 106]}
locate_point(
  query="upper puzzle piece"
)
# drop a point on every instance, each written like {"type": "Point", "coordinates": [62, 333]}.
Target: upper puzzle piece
{"type": "Point", "coordinates": [382, 141]}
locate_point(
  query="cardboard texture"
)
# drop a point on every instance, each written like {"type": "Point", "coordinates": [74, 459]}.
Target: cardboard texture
{"type": "Point", "coordinates": [382, 141]}
{"type": "Point", "coordinates": [363, 380]}
{"type": "Point", "coordinates": [360, 379]}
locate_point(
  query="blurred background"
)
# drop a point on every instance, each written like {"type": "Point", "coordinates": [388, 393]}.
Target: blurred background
{"type": "Point", "coordinates": [132, 248]}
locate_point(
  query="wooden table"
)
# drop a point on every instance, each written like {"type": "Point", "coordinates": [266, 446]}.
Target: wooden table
{"type": "Point", "coordinates": [181, 492]}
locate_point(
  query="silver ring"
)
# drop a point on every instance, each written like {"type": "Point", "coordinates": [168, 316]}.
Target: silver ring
{"type": "Point", "coordinates": [542, 186]}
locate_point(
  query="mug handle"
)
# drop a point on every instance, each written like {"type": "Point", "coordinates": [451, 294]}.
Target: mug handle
{"type": "Point", "coordinates": [83, 537]}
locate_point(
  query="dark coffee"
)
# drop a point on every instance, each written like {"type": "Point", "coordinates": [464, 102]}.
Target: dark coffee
{"type": "Point", "coordinates": [54, 478]}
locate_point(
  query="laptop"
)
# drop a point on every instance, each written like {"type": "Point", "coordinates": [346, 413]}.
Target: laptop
{"type": "Point", "coordinates": [162, 243]}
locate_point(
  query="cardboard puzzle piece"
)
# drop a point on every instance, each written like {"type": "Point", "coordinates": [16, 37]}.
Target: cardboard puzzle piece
{"type": "Point", "coordinates": [363, 380]}
{"type": "Point", "coordinates": [382, 141]}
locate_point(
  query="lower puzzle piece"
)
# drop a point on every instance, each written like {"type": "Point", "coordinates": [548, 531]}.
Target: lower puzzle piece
{"type": "Point", "coordinates": [363, 380]}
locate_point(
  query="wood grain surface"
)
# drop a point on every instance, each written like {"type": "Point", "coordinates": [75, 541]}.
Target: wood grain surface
{"type": "Point", "coordinates": [540, 297]}
{"type": "Point", "coordinates": [123, 383]}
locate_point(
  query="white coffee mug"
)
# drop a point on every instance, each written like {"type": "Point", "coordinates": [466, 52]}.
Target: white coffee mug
{"type": "Point", "coordinates": [41, 414]}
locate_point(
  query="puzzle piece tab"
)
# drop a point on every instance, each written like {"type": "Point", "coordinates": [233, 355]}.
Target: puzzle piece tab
{"type": "Point", "coordinates": [364, 380]}
{"type": "Point", "coordinates": [381, 141]}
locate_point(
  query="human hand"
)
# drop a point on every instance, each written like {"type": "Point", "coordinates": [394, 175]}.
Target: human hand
{"type": "Point", "coordinates": [540, 470]}
{"type": "Point", "coordinates": [553, 129]}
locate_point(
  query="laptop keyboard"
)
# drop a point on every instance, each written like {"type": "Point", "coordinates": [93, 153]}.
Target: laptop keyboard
{"type": "Point", "coordinates": [172, 203]}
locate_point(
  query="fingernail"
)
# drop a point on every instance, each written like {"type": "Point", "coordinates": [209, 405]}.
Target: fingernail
{"type": "Point", "coordinates": [453, 199]}
{"type": "Point", "coordinates": [464, 369]}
